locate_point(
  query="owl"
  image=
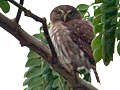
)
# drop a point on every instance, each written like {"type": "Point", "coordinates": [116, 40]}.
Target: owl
{"type": "Point", "coordinates": [71, 37]}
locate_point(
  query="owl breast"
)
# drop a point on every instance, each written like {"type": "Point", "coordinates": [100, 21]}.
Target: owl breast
{"type": "Point", "coordinates": [68, 51]}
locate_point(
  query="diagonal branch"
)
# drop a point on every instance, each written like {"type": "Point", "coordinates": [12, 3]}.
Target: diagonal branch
{"type": "Point", "coordinates": [25, 39]}
{"type": "Point", "coordinates": [42, 49]}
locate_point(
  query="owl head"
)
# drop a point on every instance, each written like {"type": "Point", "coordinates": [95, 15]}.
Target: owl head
{"type": "Point", "coordinates": [64, 13]}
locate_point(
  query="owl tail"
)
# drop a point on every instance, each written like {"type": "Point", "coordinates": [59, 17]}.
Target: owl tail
{"type": "Point", "coordinates": [95, 72]}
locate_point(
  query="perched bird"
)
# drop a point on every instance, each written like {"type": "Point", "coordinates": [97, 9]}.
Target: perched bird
{"type": "Point", "coordinates": [71, 37]}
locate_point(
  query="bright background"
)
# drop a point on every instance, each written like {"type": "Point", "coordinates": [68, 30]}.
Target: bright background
{"type": "Point", "coordinates": [13, 57]}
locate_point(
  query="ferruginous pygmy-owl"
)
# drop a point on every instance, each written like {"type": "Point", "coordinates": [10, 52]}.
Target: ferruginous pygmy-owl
{"type": "Point", "coordinates": [71, 37]}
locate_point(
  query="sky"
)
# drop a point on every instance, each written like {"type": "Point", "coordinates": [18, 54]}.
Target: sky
{"type": "Point", "coordinates": [13, 57]}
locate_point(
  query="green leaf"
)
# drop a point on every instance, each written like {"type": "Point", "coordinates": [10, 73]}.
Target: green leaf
{"type": "Point", "coordinates": [56, 83]}
{"type": "Point", "coordinates": [55, 73]}
{"type": "Point", "coordinates": [110, 46]}
{"type": "Point", "coordinates": [83, 7]}
{"type": "Point", "coordinates": [49, 85]}
{"type": "Point", "coordinates": [98, 28]}
{"type": "Point", "coordinates": [46, 69]}
{"type": "Point", "coordinates": [98, 1]}
{"type": "Point", "coordinates": [118, 14]}
{"type": "Point", "coordinates": [103, 19]}
{"type": "Point", "coordinates": [33, 54]}
{"type": "Point", "coordinates": [25, 89]}
{"type": "Point", "coordinates": [82, 13]}
{"type": "Point", "coordinates": [114, 21]}
{"type": "Point", "coordinates": [118, 24]}
{"type": "Point", "coordinates": [66, 87]}
{"type": "Point", "coordinates": [118, 48]}
{"type": "Point", "coordinates": [35, 81]}
{"type": "Point", "coordinates": [39, 87]}
{"type": "Point", "coordinates": [97, 11]}
{"type": "Point", "coordinates": [26, 81]}
{"type": "Point", "coordinates": [37, 36]}
{"type": "Point", "coordinates": [34, 71]}
{"type": "Point", "coordinates": [96, 42]}
{"type": "Point", "coordinates": [106, 58]}
{"type": "Point", "coordinates": [49, 76]}
{"type": "Point", "coordinates": [87, 77]}
{"type": "Point", "coordinates": [82, 71]}
{"type": "Point", "coordinates": [110, 33]}
{"type": "Point", "coordinates": [117, 2]}
{"type": "Point", "coordinates": [4, 5]}
{"type": "Point", "coordinates": [118, 33]}
{"type": "Point", "coordinates": [62, 80]}
{"type": "Point", "coordinates": [98, 53]}
{"type": "Point", "coordinates": [97, 20]}
{"type": "Point", "coordinates": [103, 8]}
{"type": "Point", "coordinates": [90, 19]}
{"type": "Point", "coordinates": [108, 26]}
{"type": "Point", "coordinates": [33, 62]}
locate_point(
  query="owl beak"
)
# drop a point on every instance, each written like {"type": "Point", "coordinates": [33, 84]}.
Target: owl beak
{"type": "Point", "coordinates": [65, 17]}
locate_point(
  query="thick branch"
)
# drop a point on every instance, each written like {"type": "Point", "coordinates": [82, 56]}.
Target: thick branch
{"type": "Point", "coordinates": [24, 38]}
{"type": "Point", "coordinates": [38, 46]}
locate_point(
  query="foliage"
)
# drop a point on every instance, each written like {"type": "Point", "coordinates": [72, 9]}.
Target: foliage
{"type": "Point", "coordinates": [105, 23]}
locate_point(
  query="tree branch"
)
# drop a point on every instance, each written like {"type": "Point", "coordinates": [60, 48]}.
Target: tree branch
{"type": "Point", "coordinates": [19, 12]}
{"type": "Point", "coordinates": [24, 38]}
{"type": "Point", "coordinates": [43, 50]}
{"type": "Point", "coordinates": [43, 21]}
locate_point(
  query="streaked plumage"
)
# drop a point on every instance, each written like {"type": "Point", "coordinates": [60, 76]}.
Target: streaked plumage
{"type": "Point", "coordinates": [72, 36]}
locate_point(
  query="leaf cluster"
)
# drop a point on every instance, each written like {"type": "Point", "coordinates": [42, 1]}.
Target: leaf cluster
{"type": "Point", "coordinates": [105, 23]}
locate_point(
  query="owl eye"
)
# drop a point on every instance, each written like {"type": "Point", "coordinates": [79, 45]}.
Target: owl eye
{"type": "Point", "coordinates": [71, 14]}
{"type": "Point", "coordinates": [59, 13]}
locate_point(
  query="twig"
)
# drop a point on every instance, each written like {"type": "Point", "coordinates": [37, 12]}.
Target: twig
{"type": "Point", "coordinates": [19, 12]}
{"type": "Point", "coordinates": [43, 21]}
{"type": "Point", "coordinates": [46, 34]}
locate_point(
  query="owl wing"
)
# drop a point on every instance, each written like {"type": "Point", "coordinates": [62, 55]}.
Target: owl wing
{"type": "Point", "coordinates": [82, 34]}
{"type": "Point", "coordinates": [84, 31]}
